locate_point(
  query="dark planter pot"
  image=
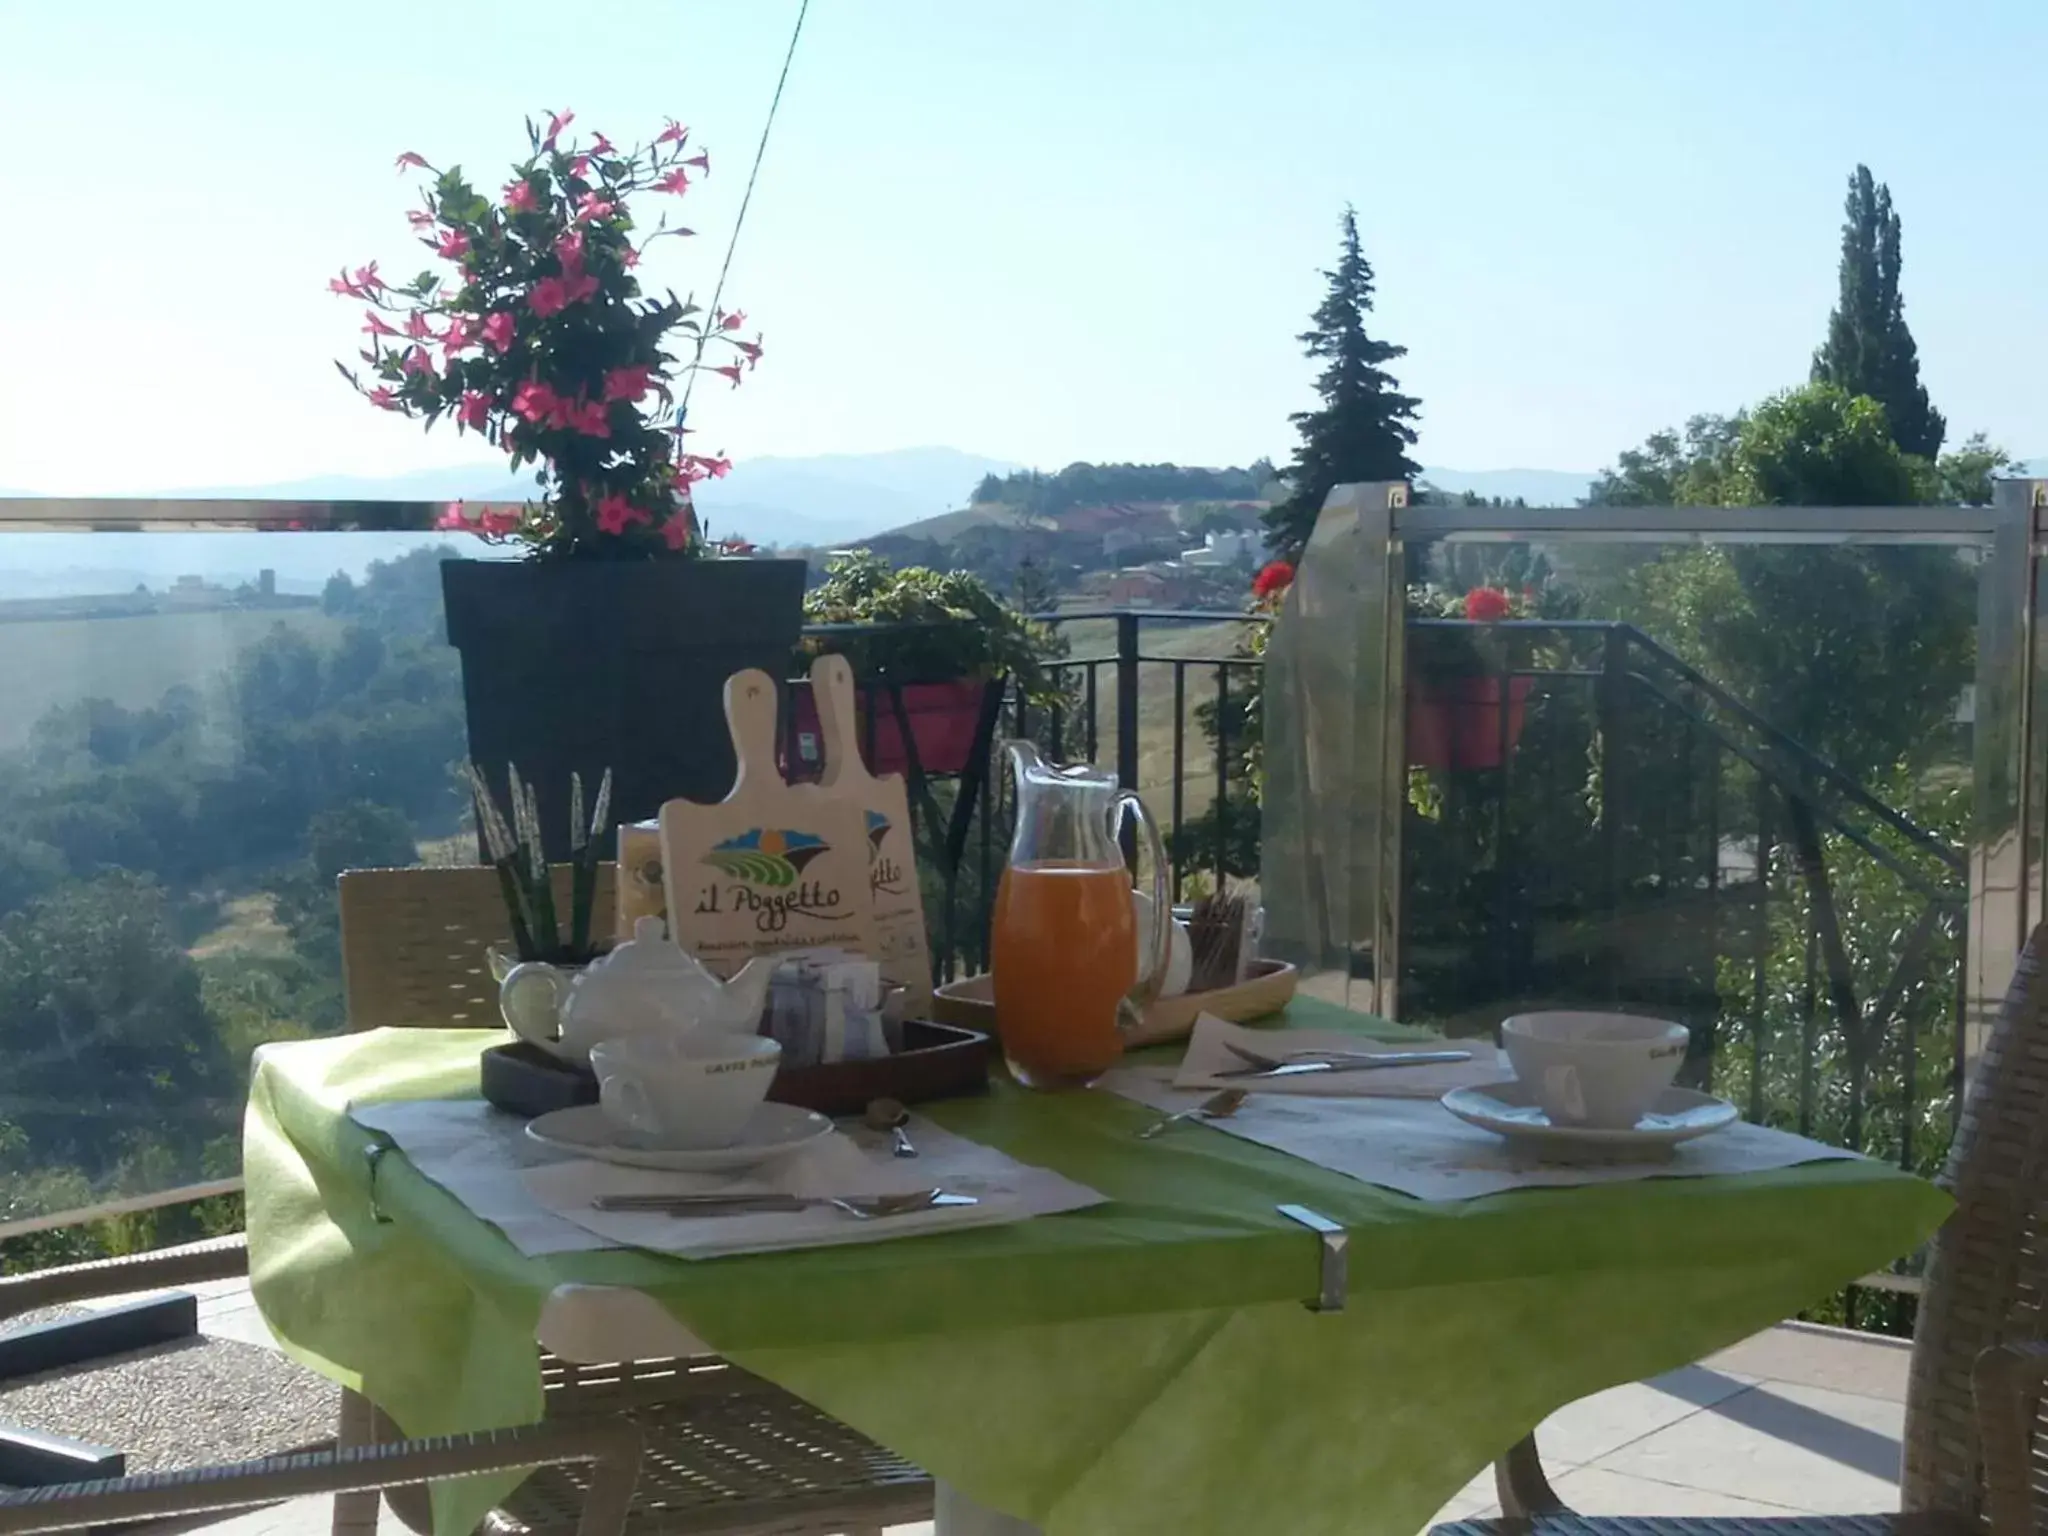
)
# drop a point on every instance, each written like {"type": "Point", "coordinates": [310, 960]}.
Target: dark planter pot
{"type": "Point", "coordinates": [1454, 723]}
{"type": "Point", "coordinates": [579, 666]}
{"type": "Point", "coordinates": [943, 720]}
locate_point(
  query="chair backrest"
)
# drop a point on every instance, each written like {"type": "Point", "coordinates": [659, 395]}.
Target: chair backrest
{"type": "Point", "coordinates": [413, 943]}
{"type": "Point", "coordinates": [1989, 1266]}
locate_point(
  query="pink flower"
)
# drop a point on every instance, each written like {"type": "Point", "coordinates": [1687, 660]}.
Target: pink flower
{"type": "Point", "coordinates": [500, 523]}
{"type": "Point", "coordinates": [626, 383]}
{"type": "Point", "coordinates": [519, 196]}
{"type": "Point", "coordinates": [417, 361]}
{"type": "Point", "coordinates": [733, 321]}
{"type": "Point", "coordinates": [376, 324]}
{"type": "Point", "coordinates": [580, 166]}
{"type": "Point", "coordinates": [590, 207]}
{"type": "Point", "coordinates": [498, 331]}
{"type": "Point", "coordinates": [676, 181]}
{"type": "Point", "coordinates": [587, 417]}
{"type": "Point", "coordinates": [631, 259]}
{"type": "Point", "coordinates": [578, 285]}
{"type": "Point", "coordinates": [454, 244]}
{"type": "Point", "coordinates": [418, 218]}
{"type": "Point", "coordinates": [570, 249]}
{"type": "Point", "coordinates": [458, 336]}
{"type": "Point", "coordinates": [364, 284]}
{"type": "Point", "coordinates": [750, 350]}
{"type": "Point", "coordinates": [453, 519]}
{"type": "Point", "coordinates": [677, 531]}
{"type": "Point", "coordinates": [536, 402]}
{"type": "Point", "coordinates": [475, 410]}
{"type": "Point", "coordinates": [700, 162]}
{"type": "Point", "coordinates": [674, 133]}
{"type": "Point", "coordinates": [383, 398]}
{"type": "Point", "coordinates": [416, 162]}
{"type": "Point", "coordinates": [557, 121]}
{"type": "Point", "coordinates": [615, 514]}
{"type": "Point", "coordinates": [600, 145]}
{"type": "Point", "coordinates": [549, 296]}
{"type": "Point", "coordinates": [416, 324]}
{"type": "Point", "coordinates": [729, 371]}
{"type": "Point", "coordinates": [696, 466]}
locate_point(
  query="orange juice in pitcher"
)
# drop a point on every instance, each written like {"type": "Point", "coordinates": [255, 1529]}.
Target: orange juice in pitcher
{"type": "Point", "coordinates": [1064, 936]}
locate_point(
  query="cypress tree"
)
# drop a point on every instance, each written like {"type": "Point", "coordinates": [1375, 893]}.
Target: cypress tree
{"type": "Point", "coordinates": [1363, 429]}
{"type": "Point", "coordinates": [1869, 350]}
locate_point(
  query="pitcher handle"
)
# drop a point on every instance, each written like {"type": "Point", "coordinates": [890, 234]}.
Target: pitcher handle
{"type": "Point", "coordinates": [1148, 987]}
{"type": "Point", "coordinates": [539, 1024]}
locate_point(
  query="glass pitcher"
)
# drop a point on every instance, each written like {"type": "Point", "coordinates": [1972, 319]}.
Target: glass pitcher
{"type": "Point", "coordinates": [1064, 938]}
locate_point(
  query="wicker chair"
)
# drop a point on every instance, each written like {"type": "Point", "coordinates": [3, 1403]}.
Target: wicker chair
{"type": "Point", "coordinates": [593, 1503]}
{"type": "Point", "coordinates": [1975, 1451]}
{"type": "Point", "coordinates": [725, 1452]}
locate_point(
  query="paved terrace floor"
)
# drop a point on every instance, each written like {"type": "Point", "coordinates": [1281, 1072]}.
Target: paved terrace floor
{"type": "Point", "coordinates": [1798, 1420]}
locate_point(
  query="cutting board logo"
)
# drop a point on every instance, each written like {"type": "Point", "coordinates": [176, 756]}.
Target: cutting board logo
{"type": "Point", "coordinates": [885, 875]}
{"type": "Point", "coordinates": [767, 856]}
{"type": "Point", "coordinates": [764, 869]}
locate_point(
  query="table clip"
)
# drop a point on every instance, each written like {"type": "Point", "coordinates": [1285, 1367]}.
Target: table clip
{"type": "Point", "coordinates": [1335, 1278]}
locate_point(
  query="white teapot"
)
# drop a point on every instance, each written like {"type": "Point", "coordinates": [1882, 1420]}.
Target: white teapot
{"type": "Point", "coordinates": [645, 985]}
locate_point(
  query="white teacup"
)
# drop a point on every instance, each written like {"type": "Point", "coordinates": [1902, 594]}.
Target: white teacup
{"type": "Point", "coordinates": [688, 1092]}
{"type": "Point", "coordinates": [1601, 1070]}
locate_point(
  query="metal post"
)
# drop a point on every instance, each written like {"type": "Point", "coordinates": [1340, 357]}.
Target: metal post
{"type": "Point", "coordinates": [1127, 700]}
{"type": "Point", "coordinates": [2005, 859]}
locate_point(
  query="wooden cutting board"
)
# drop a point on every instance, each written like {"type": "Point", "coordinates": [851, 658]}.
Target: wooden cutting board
{"type": "Point", "coordinates": [905, 956]}
{"type": "Point", "coordinates": [771, 867]}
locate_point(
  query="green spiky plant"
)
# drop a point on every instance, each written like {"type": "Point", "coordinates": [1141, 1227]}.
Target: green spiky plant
{"type": "Point", "coordinates": [524, 877]}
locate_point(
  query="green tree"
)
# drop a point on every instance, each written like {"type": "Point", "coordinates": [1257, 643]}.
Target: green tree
{"type": "Point", "coordinates": [109, 1048]}
{"type": "Point", "coordinates": [1671, 469]}
{"type": "Point", "coordinates": [1859, 652]}
{"type": "Point", "coordinates": [1035, 590]}
{"type": "Point", "coordinates": [1966, 473]}
{"type": "Point", "coordinates": [1364, 427]}
{"type": "Point", "coordinates": [1869, 350]}
{"type": "Point", "coordinates": [357, 835]}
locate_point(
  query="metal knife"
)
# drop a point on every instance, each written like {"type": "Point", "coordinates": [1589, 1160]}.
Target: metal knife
{"type": "Point", "coordinates": [1348, 1064]}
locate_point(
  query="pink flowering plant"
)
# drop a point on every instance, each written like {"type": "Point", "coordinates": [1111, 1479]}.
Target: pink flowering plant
{"type": "Point", "coordinates": [539, 337]}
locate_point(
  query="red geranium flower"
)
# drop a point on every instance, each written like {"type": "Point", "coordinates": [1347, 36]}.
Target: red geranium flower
{"type": "Point", "coordinates": [1275, 576]}
{"type": "Point", "coordinates": [1487, 605]}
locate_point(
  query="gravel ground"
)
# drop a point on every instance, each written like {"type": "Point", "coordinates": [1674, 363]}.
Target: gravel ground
{"type": "Point", "coordinates": [184, 1404]}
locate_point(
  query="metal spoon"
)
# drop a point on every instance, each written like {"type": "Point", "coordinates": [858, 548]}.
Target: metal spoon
{"type": "Point", "coordinates": [1218, 1106]}
{"type": "Point", "coordinates": [888, 1115]}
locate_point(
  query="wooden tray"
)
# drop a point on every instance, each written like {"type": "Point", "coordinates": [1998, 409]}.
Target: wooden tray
{"type": "Point", "coordinates": [971, 1003]}
{"type": "Point", "coordinates": [938, 1061]}
{"type": "Point", "coordinates": [522, 1079]}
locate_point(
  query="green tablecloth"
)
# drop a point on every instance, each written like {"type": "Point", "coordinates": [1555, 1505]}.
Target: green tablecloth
{"type": "Point", "coordinates": [1147, 1365]}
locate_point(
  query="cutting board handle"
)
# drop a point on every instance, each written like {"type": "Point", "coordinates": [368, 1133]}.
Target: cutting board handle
{"type": "Point", "coordinates": [832, 692]}
{"type": "Point", "coordinates": [750, 711]}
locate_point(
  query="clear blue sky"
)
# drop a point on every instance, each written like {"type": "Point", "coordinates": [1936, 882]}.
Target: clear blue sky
{"type": "Point", "coordinates": [1062, 230]}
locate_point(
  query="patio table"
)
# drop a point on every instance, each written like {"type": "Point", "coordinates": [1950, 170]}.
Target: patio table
{"type": "Point", "coordinates": [1146, 1365]}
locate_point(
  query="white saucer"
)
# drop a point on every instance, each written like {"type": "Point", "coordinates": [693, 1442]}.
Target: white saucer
{"type": "Point", "coordinates": [775, 1130]}
{"type": "Point", "coordinates": [1509, 1109]}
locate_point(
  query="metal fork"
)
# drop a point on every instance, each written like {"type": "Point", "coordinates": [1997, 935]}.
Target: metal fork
{"type": "Point", "coordinates": [860, 1207]}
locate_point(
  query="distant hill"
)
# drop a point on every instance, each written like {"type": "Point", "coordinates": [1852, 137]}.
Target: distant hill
{"type": "Point", "coordinates": [1538, 487]}
{"type": "Point", "coordinates": [795, 502]}
{"type": "Point", "coordinates": [828, 499]}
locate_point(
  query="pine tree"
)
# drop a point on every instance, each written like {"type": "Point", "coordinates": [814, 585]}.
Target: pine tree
{"type": "Point", "coordinates": [1363, 430]}
{"type": "Point", "coordinates": [1869, 350]}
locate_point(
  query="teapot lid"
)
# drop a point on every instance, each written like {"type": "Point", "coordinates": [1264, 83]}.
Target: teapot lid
{"type": "Point", "coordinates": [648, 956]}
